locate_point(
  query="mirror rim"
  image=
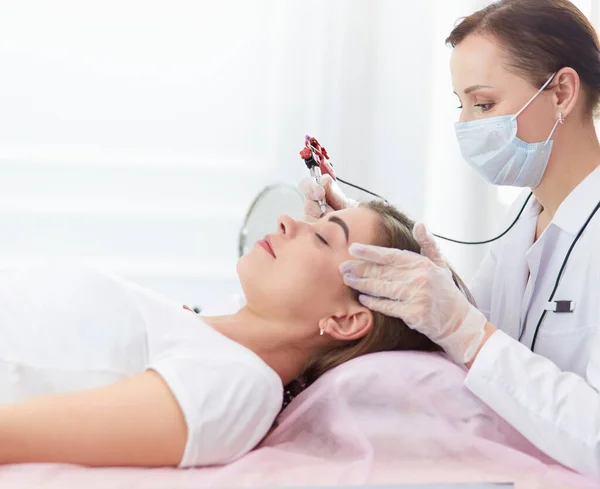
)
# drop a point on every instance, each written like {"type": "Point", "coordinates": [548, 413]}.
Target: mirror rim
{"type": "Point", "coordinates": [243, 234]}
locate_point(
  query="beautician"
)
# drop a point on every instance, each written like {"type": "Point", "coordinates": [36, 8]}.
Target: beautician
{"type": "Point", "coordinates": [527, 73]}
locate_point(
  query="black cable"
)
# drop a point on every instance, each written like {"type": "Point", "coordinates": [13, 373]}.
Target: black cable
{"type": "Point", "coordinates": [362, 189]}
{"type": "Point", "coordinates": [562, 269]}
{"type": "Point", "coordinates": [443, 237]}
{"type": "Point", "coordinates": [493, 239]}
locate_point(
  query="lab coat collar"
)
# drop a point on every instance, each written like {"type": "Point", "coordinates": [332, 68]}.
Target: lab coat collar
{"type": "Point", "coordinates": [577, 207]}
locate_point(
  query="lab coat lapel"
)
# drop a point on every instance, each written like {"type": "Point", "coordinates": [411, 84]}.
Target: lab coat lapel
{"type": "Point", "coordinates": [514, 294]}
{"type": "Point", "coordinates": [532, 265]}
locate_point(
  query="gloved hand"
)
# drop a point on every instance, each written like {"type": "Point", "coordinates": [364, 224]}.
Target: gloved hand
{"type": "Point", "coordinates": [422, 293]}
{"type": "Point", "coordinates": [329, 190]}
{"type": "Point", "coordinates": [429, 247]}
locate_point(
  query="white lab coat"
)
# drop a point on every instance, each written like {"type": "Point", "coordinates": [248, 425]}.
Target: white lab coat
{"type": "Point", "coordinates": [552, 395]}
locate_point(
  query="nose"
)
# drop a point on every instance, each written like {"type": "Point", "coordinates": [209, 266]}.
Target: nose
{"type": "Point", "coordinates": [465, 117]}
{"type": "Point", "coordinates": [287, 226]}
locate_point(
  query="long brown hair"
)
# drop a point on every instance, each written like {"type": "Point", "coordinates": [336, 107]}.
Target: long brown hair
{"type": "Point", "coordinates": [540, 37]}
{"type": "Point", "coordinates": [387, 333]}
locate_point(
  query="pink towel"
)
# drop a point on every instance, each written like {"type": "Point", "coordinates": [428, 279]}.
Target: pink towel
{"type": "Point", "coordinates": [394, 417]}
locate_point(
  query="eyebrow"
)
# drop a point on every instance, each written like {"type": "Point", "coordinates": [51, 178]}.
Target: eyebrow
{"type": "Point", "coordinates": [472, 88]}
{"type": "Point", "coordinates": [343, 225]}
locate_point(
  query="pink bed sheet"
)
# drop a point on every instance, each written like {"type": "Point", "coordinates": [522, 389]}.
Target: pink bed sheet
{"type": "Point", "coordinates": [386, 418]}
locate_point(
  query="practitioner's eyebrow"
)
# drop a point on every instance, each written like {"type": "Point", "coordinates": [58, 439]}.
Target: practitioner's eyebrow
{"type": "Point", "coordinates": [473, 88]}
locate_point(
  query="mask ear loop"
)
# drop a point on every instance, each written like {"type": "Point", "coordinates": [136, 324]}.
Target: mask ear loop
{"type": "Point", "coordinates": [560, 120]}
{"type": "Point", "coordinates": [548, 81]}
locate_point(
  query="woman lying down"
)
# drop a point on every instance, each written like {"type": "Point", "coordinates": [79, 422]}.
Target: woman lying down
{"type": "Point", "coordinates": [97, 371]}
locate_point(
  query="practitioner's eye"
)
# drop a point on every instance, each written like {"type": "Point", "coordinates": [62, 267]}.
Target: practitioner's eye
{"type": "Point", "coordinates": [485, 107]}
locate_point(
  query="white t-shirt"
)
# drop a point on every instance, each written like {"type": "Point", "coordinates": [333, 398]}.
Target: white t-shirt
{"type": "Point", "coordinates": [66, 328]}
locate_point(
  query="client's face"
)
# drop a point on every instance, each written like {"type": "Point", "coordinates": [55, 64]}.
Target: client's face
{"type": "Point", "coordinates": [295, 273]}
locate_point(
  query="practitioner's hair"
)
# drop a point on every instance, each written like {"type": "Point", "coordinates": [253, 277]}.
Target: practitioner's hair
{"type": "Point", "coordinates": [540, 37]}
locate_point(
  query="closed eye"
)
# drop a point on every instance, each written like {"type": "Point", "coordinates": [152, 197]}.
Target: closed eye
{"type": "Point", "coordinates": [322, 239]}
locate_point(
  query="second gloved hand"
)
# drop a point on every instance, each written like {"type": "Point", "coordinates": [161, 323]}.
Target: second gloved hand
{"type": "Point", "coordinates": [328, 190]}
{"type": "Point", "coordinates": [429, 247]}
{"type": "Point", "coordinates": [411, 287]}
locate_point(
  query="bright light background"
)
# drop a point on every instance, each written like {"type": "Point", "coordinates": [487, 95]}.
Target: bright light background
{"type": "Point", "coordinates": [134, 134]}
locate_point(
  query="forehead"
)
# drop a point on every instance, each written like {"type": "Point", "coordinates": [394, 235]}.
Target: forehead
{"type": "Point", "coordinates": [363, 223]}
{"type": "Point", "coordinates": [478, 60]}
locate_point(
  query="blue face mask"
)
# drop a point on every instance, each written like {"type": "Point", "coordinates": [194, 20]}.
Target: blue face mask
{"type": "Point", "coordinates": [492, 147]}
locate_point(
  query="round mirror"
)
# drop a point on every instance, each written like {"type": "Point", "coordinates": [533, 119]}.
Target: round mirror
{"type": "Point", "coordinates": [269, 204]}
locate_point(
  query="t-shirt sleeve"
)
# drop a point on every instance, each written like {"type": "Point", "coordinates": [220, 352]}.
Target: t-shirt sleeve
{"type": "Point", "coordinates": [228, 405]}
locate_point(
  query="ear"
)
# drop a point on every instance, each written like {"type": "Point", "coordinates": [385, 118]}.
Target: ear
{"type": "Point", "coordinates": [353, 324]}
{"type": "Point", "coordinates": [567, 87]}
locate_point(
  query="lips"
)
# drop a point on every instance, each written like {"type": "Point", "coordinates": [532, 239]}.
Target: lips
{"type": "Point", "coordinates": [266, 245]}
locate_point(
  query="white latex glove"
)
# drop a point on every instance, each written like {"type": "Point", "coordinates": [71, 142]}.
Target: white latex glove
{"type": "Point", "coordinates": [328, 190]}
{"type": "Point", "coordinates": [413, 288]}
{"type": "Point", "coordinates": [428, 244]}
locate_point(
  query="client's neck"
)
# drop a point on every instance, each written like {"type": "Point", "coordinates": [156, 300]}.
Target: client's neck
{"type": "Point", "coordinates": [269, 339]}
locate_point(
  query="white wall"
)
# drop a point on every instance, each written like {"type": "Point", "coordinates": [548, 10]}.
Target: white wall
{"type": "Point", "coordinates": [134, 134]}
